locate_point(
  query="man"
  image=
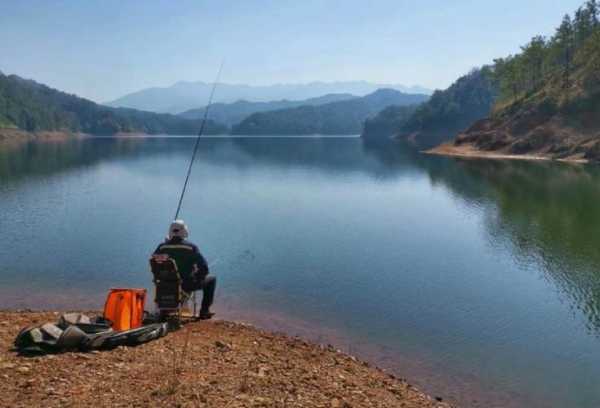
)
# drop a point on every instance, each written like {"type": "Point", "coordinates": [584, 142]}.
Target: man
{"type": "Point", "coordinates": [191, 265]}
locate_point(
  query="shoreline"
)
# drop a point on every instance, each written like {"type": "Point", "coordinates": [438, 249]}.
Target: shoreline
{"type": "Point", "coordinates": [9, 136]}
{"type": "Point", "coordinates": [225, 364]}
{"type": "Point", "coordinates": [468, 151]}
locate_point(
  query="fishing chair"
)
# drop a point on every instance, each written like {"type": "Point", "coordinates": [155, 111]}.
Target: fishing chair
{"type": "Point", "coordinates": [169, 296]}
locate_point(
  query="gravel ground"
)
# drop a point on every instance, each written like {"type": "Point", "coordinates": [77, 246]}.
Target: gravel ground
{"type": "Point", "coordinates": [204, 364]}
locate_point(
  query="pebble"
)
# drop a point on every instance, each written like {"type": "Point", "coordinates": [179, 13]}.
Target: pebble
{"type": "Point", "coordinates": [222, 346]}
{"type": "Point", "coordinates": [24, 370]}
{"type": "Point", "coordinates": [262, 371]}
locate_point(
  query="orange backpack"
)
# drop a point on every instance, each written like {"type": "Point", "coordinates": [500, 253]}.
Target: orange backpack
{"type": "Point", "coordinates": [125, 308]}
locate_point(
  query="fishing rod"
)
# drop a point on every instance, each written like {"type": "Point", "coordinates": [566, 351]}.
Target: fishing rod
{"type": "Point", "coordinates": [200, 132]}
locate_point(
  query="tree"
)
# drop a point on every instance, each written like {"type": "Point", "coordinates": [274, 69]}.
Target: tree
{"type": "Point", "coordinates": [592, 9]}
{"type": "Point", "coordinates": [588, 58]}
{"type": "Point", "coordinates": [563, 42]}
{"type": "Point", "coordinates": [534, 54]}
{"type": "Point", "coordinates": [582, 26]}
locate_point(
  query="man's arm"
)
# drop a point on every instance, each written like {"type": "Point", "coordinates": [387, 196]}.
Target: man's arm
{"type": "Point", "coordinates": [201, 264]}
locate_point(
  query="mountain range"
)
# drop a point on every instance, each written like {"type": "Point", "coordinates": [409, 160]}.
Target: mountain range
{"type": "Point", "coordinates": [184, 96]}
{"type": "Point", "coordinates": [233, 113]}
{"type": "Point", "coordinates": [335, 118]}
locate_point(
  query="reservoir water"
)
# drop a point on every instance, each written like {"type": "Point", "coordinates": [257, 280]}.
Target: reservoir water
{"type": "Point", "coordinates": [478, 281]}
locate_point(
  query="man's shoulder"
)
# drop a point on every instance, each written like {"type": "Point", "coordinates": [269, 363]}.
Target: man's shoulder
{"type": "Point", "coordinates": [178, 244]}
{"type": "Point", "coordinates": [190, 243]}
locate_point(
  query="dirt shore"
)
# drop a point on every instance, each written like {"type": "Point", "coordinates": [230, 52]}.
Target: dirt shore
{"type": "Point", "coordinates": [204, 364]}
{"type": "Point", "coordinates": [470, 151]}
{"type": "Point", "coordinates": [15, 136]}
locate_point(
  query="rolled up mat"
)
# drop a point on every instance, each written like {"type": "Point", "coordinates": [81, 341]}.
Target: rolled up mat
{"type": "Point", "coordinates": [71, 338]}
{"type": "Point", "coordinates": [132, 337]}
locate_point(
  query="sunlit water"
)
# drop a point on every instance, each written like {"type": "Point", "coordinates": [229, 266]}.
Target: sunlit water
{"type": "Point", "coordinates": [475, 280]}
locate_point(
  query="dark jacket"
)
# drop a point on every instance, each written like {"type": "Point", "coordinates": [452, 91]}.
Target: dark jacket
{"type": "Point", "coordinates": [187, 257]}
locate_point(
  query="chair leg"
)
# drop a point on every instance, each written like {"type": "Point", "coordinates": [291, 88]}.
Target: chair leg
{"type": "Point", "coordinates": [195, 304]}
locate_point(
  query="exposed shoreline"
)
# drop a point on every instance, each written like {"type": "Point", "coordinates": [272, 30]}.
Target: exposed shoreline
{"type": "Point", "coordinates": [469, 151]}
{"type": "Point", "coordinates": [224, 364]}
{"type": "Point", "coordinates": [16, 136]}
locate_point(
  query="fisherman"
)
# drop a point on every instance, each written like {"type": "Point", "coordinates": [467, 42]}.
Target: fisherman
{"type": "Point", "coordinates": [191, 265]}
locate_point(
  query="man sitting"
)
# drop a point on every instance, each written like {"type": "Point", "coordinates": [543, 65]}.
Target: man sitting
{"type": "Point", "coordinates": [191, 265]}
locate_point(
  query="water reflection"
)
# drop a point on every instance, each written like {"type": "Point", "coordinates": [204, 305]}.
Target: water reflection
{"type": "Point", "coordinates": [546, 213]}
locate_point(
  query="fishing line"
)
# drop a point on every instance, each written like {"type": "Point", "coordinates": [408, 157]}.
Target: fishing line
{"type": "Point", "coordinates": [200, 132]}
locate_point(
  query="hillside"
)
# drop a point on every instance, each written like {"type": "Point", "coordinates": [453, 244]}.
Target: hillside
{"type": "Point", "coordinates": [441, 118]}
{"type": "Point", "coordinates": [233, 113]}
{"type": "Point", "coordinates": [33, 107]}
{"type": "Point", "coordinates": [336, 118]}
{"type": "Point", "coordinates": [387, 122]}
{"type": "Point", "coordinates": [549, 105]}
{"type": "Point", "coordinates": [184, 96]}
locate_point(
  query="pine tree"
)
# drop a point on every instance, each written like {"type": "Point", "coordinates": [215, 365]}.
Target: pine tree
{"type": "Point", "coordinates": [592, 10]}
{"type": "Point", "coordinates": [564, 43]}
{"type": "Point", "coordinates": [581, 26]}
{"type": "Point", "coordinates": [532, 65]}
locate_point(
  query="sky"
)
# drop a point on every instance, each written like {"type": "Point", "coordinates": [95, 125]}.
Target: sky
{"type": "Point", "coordinates": [102, 50]}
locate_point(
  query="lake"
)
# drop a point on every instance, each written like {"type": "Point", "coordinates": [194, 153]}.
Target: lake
{"type": "Point", "coordinates": [478, 281]}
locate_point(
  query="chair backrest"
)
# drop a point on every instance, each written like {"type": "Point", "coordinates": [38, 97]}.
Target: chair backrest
{"type": "Point", "coordinates": [168, 293]}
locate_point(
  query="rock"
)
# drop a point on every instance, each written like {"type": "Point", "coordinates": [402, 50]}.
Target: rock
{"type": "Point", "coordinates": [222, 346]}
{"type": "Point", "coordinates": [262, 401]}
{"type": "Point", "coordinates": [335, 403]}
{"type": "Point", "coordinates": [7, 366]}
{"type": "Point", "coordinates": [24, 370]}
{"type": "Point", "coordinates": [262, 371]}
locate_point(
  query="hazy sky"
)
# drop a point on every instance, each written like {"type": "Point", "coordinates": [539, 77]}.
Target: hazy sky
{"type": "Point", "coordinates": [104, 49]}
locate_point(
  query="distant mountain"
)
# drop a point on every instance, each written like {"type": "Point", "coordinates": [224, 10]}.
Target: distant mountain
{"type": "Point", "coordinates": [184, 96]}
{"type": "Point", "coordinates": [233, 113]}
{"type": "Point", "coordinates": [30, 106]}
{"type": "Point", "coordinates": [446, 113]}
{"type": "Point", "coordinates": [336, 118]}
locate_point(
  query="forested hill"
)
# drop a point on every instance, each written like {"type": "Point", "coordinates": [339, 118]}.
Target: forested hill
{"type": "Point", "coordinates": [233, 113]}
{"type": "Point", "coordinates": [336, 118]}
{"type": "Point", "coordinates": [30, 106]}
{"type": "Point", "coordinates": [549, 102]}
{"type": "Point", "coordinates": [388, 122]}
{"type": "Point", "coordinates": [441, 118]}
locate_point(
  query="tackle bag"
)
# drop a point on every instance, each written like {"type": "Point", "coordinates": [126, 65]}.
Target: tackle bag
{"type": "Point", "coordinates": [124, 308]}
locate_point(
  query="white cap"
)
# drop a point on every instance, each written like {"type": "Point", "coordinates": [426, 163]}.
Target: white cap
{"type": "Point", "coordinates": [178, 229]}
